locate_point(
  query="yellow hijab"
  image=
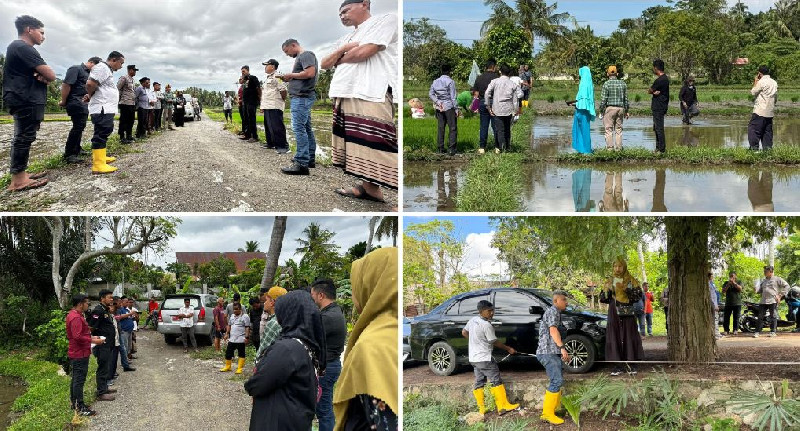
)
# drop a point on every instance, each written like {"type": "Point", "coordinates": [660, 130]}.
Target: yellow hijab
{"type": "Point", "coordinates": [371, 359]}
{"type": "Point", "coordinates": [619, 283]}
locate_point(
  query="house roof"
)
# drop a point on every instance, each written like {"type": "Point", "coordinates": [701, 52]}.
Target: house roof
{"type": "Point", "coordinates": [199, 257]}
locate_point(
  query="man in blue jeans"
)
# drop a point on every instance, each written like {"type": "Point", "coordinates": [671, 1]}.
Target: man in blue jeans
{"type": "Point", "coordinates": [479, 91]}
{"type": "Point", "coordinates": [552, 354]}
{"type": "Point", "coordinates": [324, 294]}
{"type": "Point", "coordinates": [302, 82]}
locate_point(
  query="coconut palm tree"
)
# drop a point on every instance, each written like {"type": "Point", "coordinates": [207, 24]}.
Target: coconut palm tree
{"type": "Point", "coordinates": [388, 227]}
{"type": "Point", "coordinates": [316, 241]}
{"type": "Point", "coordinates": [534, 16]}
{"type": "Point", "coordinates": [250, 247]}
{"type": "Point", "coordinates": [275, 245]}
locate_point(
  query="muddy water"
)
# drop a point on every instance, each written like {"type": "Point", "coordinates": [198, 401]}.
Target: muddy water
{"type": "Point", "coordinates": [552, 134]}
{"type": "Point", "coordinates": [10, 389]}
{"type": "Point", "coordinates": [551, 188]}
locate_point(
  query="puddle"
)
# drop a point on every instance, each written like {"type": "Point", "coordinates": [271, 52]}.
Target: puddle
{"type": "Point", "coordinates": [10, 389]}
{"type": "Point", "coordinates": [553, 135]}
{"type": "Point", "coordinates": [553, 188]}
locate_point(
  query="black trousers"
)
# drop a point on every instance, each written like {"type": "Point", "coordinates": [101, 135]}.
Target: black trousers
{"type": "Point", "coordinates": [238, 347]}
{"type": "Point", "coordinates": [157, 118]}
{"type": "Point", "coordinates": [127, 114]}
{"type": "Point", "coordinates": [102, 353]}
{"type": "Point", "coordinates": [143, 122]}
{"type": "Point", "coordinates": [760, 130]}
{"type": "Point", "coordinates": [80, 368]}
{"type": "Point", "coordinates": [250, 119]}
{"type": "Point", "coordinates": [103, 126]}
{"type": "Point", "coordinates": [666, 317]}
{"type": "Point", "coordinates": [502, 125]}
{"type": "Point", "coordinates": [241, 116]}
{"type": "Point", "coordinates": [179, 113]}
{"type": "Point", "coordinates": [658, 128]}
{"type": "Point", "coordinates": [228, 114]}
{"type": "Point", "coordinates": [26, 123]}
{"type": "Point", "coordinates": [73, 146]}
{"type": "Point", "coordinates": [275, 129]}
{"type": "Point", "coordinates": [447, 119]}
{"type": "Point", "coordinates": [762, 315]}
{"type": "Point", "coordinates": [736, 312]}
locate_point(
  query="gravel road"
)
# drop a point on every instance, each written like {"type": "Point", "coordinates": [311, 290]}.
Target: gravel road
{"type": "Point", "coordinates": [197, 168]}
{"type": "Point", "coordinates": [170, 390]}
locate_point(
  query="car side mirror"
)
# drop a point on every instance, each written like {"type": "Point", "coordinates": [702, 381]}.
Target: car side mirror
{"type": "Point", "coordinates": [535, 309]}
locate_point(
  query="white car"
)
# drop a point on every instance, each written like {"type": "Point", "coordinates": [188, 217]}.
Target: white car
{"type": "Point", "coordinates": [189, 114]}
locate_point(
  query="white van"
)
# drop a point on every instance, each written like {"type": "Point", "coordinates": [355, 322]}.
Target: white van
{"type": "Point", "coordinates": [189, 114]}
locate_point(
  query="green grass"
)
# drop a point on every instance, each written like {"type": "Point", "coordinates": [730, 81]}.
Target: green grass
{"type": "Point", "coordinates": [45, 405]}
{"type": "Point", "coordinates": [781, 154]}
{"type": "Point", "coordinates": [493, 183]}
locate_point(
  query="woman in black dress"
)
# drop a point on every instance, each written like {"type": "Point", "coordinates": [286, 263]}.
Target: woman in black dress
{"type": "Point", "coordinates": [623, 342]}
{"type": "Point", "coordinates": [180, 109]}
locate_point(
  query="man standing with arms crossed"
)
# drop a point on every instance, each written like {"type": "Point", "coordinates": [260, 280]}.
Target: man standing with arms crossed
{"type": "Point", "coordinates": [102, 96]}
{"type": "Point", "coordinates": [25, 79]}
{"type": "Point", "coordinates": [659, 104]}
{"type": "Point", "coordinates": [772, 289]}
{"type": "Point", "coordinates": [73, 88]}
{"type": "Point", "coordinates": [323, 292]}
{"type": "Point", "coordinates": [251, 97]}
{"type": "Point", "coordinates": [302, 82]}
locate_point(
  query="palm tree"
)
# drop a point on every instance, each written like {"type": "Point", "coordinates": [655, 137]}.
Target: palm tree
{"type": "Point", "coordinates": [388, 227]}
{"type": "Point", "coordinates": [372, 222]}
{"type": "Point", "coordinates": [534, 16]}
{"type": "Point", "coordinates": [275, 245]}
{"type": "Point", "coordinates": [316, 241]}
{"type": "Point", "coordinates": [250, 247]}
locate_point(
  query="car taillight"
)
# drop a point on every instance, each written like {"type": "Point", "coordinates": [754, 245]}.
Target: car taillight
{"type": "Point", "coordinates": [202, 315]}
{"type": "Point", "coordinates": [159, 316]}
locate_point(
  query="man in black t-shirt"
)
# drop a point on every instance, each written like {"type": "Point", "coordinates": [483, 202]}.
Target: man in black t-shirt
{"type": "Point", "coordinates": [323, 292]}
{"type": "Point", "coordinates": [25, 79]}
{"type": "Point", "coordinates": [101, 322]}
{"type": "Point", "coordinates": [659, 104]}
{"type": "Point", "coordinates": [73, 88]}
{"type": "Point", "coordinates": [479, 90]}
{"type": "Point", "coordinates": [251, 98]}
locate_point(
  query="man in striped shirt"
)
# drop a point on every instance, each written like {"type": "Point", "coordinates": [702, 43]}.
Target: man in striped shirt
{"type": "Point", "coordinates": [614, 106]}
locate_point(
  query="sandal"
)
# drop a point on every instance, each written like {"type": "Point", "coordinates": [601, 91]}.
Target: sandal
{"type": "Point", "coordinates": [38, 175]}
{"type": "Point", "coordinates": [362, 194]}
{"type": "Point", "coordinates": [35, 184]}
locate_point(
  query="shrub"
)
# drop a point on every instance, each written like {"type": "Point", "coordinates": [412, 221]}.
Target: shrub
{"type": "Point", "coordinates": [795, 99]}
{"type": "Point", "coordinates": [551, 99]}
{"type": "Point", "coordinates": [53, 336]}
{"type": "Point", "coordinates": [637, 98]}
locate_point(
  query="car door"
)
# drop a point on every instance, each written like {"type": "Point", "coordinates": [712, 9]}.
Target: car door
{"type": "Point", "coordinates": [513, 322]}
{"type": "Point", "coordinates": [456, 317]}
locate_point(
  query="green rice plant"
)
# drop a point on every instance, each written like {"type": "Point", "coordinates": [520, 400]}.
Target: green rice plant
{"type": "Point", "coordinates": [551, 98]}
{"type": "Point", "coordinates": [565, 97]}
{"type": "Point", "coordinates": [715, 98]}
{"type": "Point", "coordinates": [493, 184]}
{"type": "Point", "coordinates": [795, 99]}
{"type": "Point", "coordinates": [775, 411]}
{"type": "Point", "coordinates": [637, 98]}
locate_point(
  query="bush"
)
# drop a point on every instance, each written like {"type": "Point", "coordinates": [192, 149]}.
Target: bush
{"type": "Point", "coordinates": [637, 98]}
{"type": "Point", "coordinates": [795, 99]}
{"type": "Point", "coordinates": [53, 336]}
{"type": "Point", "coordinates": [551, 99]}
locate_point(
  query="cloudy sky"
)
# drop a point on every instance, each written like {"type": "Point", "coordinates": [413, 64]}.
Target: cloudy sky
{"type": "Point", "coordinates": [183, 42]}
{"type": "Point", "coordinates": [226, 233]}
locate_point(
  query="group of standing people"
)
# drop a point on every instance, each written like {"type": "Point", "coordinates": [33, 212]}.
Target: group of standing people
{"type": "Point", "coordinates": [497, 97]}
{"type": "Point", "coordinates": [88, 90]}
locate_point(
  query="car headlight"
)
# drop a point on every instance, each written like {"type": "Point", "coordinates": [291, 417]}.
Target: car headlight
{"type": "Point", "coordinates": [602, 323]}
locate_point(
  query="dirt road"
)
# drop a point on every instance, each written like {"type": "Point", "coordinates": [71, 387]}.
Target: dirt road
{"type": "Point", "coordinates": [170, 387]}
{"type": "Point", "coordinates": [783, 348]}
{"type": "Point", "coordinates": [197, 168]}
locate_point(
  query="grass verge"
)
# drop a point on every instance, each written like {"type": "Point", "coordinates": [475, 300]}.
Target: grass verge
{"type": "Point", "coordinates": [782, 155]}
{"type": "Point", "coordinates": [493, 183]}
{"type": "Point", "coordinates": [45, 405]}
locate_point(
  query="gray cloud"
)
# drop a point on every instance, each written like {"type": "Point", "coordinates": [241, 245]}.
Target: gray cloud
{"type": "Point", "coordinates": [183, 42]}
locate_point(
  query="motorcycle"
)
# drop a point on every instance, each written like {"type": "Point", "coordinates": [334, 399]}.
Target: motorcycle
{"type": "Point", "coordinates": [748, 322]}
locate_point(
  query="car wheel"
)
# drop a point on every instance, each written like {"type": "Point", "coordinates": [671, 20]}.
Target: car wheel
{"type": "Point", "coordinates": [169, 339]}
{"type": "Point", "coordinates": [582, 353]}
{"type": "Point", "coordinates": [748, 323]}
{"type": "Point", "coordinates": [442, 359]}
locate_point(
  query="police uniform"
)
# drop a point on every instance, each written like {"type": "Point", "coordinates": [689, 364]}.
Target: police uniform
{"type": "Point", "coordinates": [101, 322]}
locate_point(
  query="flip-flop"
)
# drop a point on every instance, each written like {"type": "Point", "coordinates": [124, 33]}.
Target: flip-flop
{"type": "Point", "coordinates": [35, 184]}
{"type": "Point", "coordinates": [363, 195]}
{"type": "Point", "coordinates": [38, 175]}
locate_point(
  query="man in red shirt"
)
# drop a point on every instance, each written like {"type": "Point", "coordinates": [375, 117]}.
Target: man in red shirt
{"type": "Point", "coordinates": [648, 308]}
{"type": "Point", "coordinates": [80, 348]}
{"type": "Point", "coordinates": [152, 309]}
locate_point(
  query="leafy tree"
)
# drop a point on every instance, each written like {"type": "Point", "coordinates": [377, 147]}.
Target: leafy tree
{"type": "Point", "coordinates": [357, 251]}
{"type": "Point", "coordinates": [446, 252]}
{"type": "Point", "coordinates": [507, 44]}
{"type": "Point", "coordinates": [535, 17]}
{"type": "Point", "coordinates": [251, 276]}
{"type": "Point", "coordinates": [217, 272]}
{"type": "Point", "coordinates": [320, 255]}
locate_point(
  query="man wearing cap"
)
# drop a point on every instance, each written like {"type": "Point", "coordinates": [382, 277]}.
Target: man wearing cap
{"type": "Point", "coordinates": [127, 105]}
{"type": "Point", "coordinates": [614, 106]}
{"type": "Point", "coordinates": [772, 289]}
{"type": "Point", "coordinates": [251, 95]}
{"type": "Point", "coordinates": [269, 328]}
{"type": "Point", "coordinates": [73, 88]}
{"type": "Point", "coordinates": [273, 102]}
{"type": "Point", "coordinates": [143, 107]}
{"type": "Point", "coordinates": [364, 130]}
{"type": "Point", "coordinates": [302, 87]}
{"type": "Point", "coordinates": [102, 96]}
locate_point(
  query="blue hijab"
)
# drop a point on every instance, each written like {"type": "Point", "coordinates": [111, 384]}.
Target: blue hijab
{"type": "Point", "coordinates": [585, 95]}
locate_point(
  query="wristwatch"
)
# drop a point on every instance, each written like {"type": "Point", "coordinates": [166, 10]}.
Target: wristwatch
{"type": "Point", "coordinates": [560, 347]}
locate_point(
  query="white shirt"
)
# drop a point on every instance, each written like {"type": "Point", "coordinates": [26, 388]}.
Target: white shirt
{"type": "Point", "coordinates": [766, 94]}
{"type": "Point", "coordinates": [226, 102]}
{"type": "Point", "coordinates": [370, 79]}
{"type": "Point", "coordinates": [151, 96]}
{"type": "Point", "coordinates": [238, 325]}
{"type": "Point", "coordinates": [187, 322]}
{"type": "Point", "coordinates": [105, 98]}
{"type": "Point", "coordinates": [159, 97]}
{"type": "Point", "coordinates": [481, 339]}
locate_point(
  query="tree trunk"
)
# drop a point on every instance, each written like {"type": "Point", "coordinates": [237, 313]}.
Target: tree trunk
{"type": "Point", "coordinates": [372, 222]}
{"type": "Point", "coordinates": [56, 226]}
{"type": "Point", "coordinates": [691, 334]}
{"type": "Point", "coordinates": [640, 251]}
{"type": "Point", "coordinates": [275, 244]}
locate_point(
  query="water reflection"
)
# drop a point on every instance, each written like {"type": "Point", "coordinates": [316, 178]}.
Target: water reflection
{"type": "Point", "coordinates": [552, 135]}
{"type": "Point", "coordinates": [620, 188]}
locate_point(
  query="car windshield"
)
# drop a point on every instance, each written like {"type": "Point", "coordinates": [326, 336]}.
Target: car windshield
{"type": "Point", "coordinates": [574, 305]}
{"type": "Point", "coordinates": [176, 303]}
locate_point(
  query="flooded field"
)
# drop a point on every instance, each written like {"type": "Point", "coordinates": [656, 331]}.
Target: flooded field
{"type": "Point", "coordinates": [10, 389]}
{"type": "Point", "coordinates": [553, 188]}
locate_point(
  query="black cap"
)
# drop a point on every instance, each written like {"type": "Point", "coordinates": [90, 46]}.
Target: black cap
{"type": "Point", "coordinates": [271, 61]}
{"type": "Point", "coordinates": [769, 268]}
{"type": "Point", "coordinates": [132, 66]}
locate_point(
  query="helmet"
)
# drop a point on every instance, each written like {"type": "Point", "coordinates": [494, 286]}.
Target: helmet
{"type": "Point", "coordinates": [794, 293]}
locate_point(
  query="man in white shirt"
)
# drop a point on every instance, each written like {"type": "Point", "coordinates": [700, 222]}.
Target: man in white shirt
{"type": "Point", "coordinates": [157, 109]}
{"type": "Point", "coordinates": [237, 335]}
{"type": "Point", "coordinates": [186, 314]}
{"type": "Point", "coordinates": [102, 95]}
{"type": "Point", "coordinates": [364, 131]}
{"type": "Point", "coordinates": [273, 102]}
{"type": "Point", "coordinates": [765, 91]}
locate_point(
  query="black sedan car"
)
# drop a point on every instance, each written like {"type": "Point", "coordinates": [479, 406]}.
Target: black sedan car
{"type": "Point", "coordinates": [436, 336]}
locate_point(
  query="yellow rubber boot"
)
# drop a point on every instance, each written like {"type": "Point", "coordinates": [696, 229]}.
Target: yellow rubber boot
{"type": "Point", "coordinates": [558, 400]}
{"type": "Point", "coordinates": [241, 365]}
{"type": "Point", "coordinates": [99, 164]}
{"type": "Point", "coordinates": [479, 397]}
{"type": "Point", "coordinates": [227, 366]}
{"type": "Point", "coordinates": [110, 159]}
{"type": "Point", "coordinates": [503, 406]}
{"type": "Point", "coordinates": [549, 409]}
